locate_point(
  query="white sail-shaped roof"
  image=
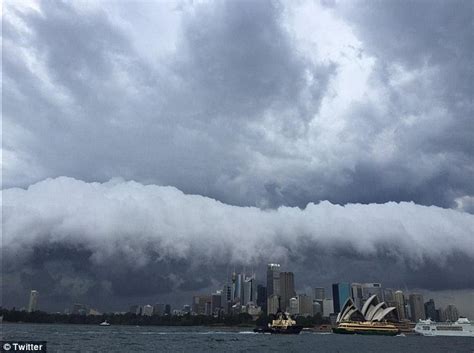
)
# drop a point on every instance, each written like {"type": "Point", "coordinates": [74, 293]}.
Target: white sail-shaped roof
{"type": "Point", "coordinates": [374, 310]}
{"type": "Point", "coordinates": [368, 303]}
{"type": "Point", "coordinates": [382, 313]}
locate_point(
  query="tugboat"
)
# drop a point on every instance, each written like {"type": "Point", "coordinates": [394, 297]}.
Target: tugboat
{"type": "Point", "coordinates": [283, 324]}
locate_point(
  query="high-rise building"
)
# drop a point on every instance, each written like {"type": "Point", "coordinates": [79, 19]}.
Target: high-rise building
{"type": "Point", "coordinates": [158, 309]}
{"type": "Point", "coordinates": [201, 303]}
{"type": "Point", "coordinates": [147, 310]}
{"type": "Point", "coordinates": [216, 302]}
{"type": "Point", "coordinates": [134, 309]}
{"type": "Point", "coordinates": [360, 292]}
{"type": "Point", "coordinates": [452, 313]}
{"type": "Point", "coordinates": [293, 306]}
{"type": "Point", "coordinates": [249, 290]}
{"type": "Point", "coordinates": [340, 293]}
{"type": "Point", "coordinates": [430, 310]}
{"type": "Point", "coordinates": [399, 300]}
{"type": "Point", "coordinates": [273, 304]}
{"type": "Point", "coordinates": [287, 289]}
{"type": "Point", "coordinates": [417, 308]}
{"type": "Point", "coordinates": [328, 306]}
{"type": "Point", "coordinates": [226, 300]}
{"type": "Point", "coordinates": [167, 309]}
{"type": "Point", "coordinates": [81, 309]}
{"type": "Point", "coordinates": [262, 297]}
{"type": "Point", "coordinates": [237, 287]}
{"type": "Point", "coordinates": [305, 305]}
{"type": "Point", "coordinates": [319, 293]}
{"type": "Point", "coordinates": [33, 303]}
{"type": "Point", "coordinates": [317, 307]}
{"type": "Point", "coordinates": [273, 279]}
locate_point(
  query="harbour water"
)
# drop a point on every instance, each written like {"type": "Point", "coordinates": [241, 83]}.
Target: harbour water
{"type": "Point", "coordinates": [88, 338]}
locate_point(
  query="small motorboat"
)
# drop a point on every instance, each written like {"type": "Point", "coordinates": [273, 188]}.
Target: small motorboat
{"type": "Point", "coordinates": [105, 323]}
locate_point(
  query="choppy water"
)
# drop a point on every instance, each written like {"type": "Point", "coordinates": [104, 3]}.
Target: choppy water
{"type": "Point", "coordinates": [87, 338]}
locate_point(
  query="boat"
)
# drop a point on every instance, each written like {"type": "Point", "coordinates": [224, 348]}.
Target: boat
{"type": "Point", "coordinates": [283, 324]}
{"type": "Point", "coordinates": [366, 328]}
{"type": "Point", "coordinates": [105, 323]}
{"type": "Point", "coordinates": [461, 328]}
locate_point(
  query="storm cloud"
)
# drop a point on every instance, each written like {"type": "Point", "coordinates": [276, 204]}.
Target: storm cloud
{"type": "Point", "coordinates": [321, 135]}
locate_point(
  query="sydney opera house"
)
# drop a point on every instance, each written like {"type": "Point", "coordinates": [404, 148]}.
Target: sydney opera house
{"type": "Point", "coordinates": [372, 311]}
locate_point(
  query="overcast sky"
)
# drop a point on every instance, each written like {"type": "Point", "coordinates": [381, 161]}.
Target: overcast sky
{"type": "Point", "coordinates": [149, 148]}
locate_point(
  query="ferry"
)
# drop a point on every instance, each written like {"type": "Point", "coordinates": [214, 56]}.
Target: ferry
{"type": "Point", "coordinates": [461, 328]}
{"type": "Point", "coordinates": [366, 328]}
{"type": "Point", "coordinates": [283, 324]}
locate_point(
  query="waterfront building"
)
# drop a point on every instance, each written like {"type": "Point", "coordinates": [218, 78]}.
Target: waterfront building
{"type": "Point", "coordinates": [134, 309]}
{"type": "Point", "coordinates": [249, 290]}
{"type": "Point", "coordinates": [33, 302]}
{"type": "Point", "coordinates": [79, 309]}
{"type": "Point", "coordinates": [287, 289]}
{"type": "Point", "coordinates": [273, 280]}
{"type": "Point", "coordinates": [340, 293]}
{"type": "Point", "coordinates": [417, 308]}
{"type": "Point", "coordinates": [167, 309]}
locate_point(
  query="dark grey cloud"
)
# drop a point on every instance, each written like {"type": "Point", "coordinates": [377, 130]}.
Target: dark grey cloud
{"type": "Point", "coordinates": [120, 242]}
{"type": "Point", "coordinates": [234, 110]}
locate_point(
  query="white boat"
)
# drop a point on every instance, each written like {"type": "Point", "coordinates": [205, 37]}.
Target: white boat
{"type": "Point", "coordinates": [105, 323]}
{"type": "Point", "coordinates": [461, 328]}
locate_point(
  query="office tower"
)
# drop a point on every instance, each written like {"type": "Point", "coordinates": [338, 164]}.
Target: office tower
{"type": "Point", "coordinates": [249, 290]}
{"type": "Point", "coordinates": [135, 309]}
{"type": "Point", "coordinates": [159, 309]}
{"type": "Point", "coordinates": [33, 303]}
{"type": "Point", "coordinates": [340, 293]}
{"type": "Point", "coordinates": [201, 303]}
{"type": "Point", "coordinates": [226, 299]}
{"type": "Point", "coordinates": [147, 310]}
{"type": "Point", "coordinates": [287, 289]}
{"type": "Point", "coordinates": [273, 279]}
{"type": "Point", "coordinates": [399, 300]}
{"type": "Point", "coordinates": [317, 307]}
{"type": "Point", "coordinates": [237, 287]}
{"type": "Point", "coordinates": [305, 305]}
{"type": "Point", "coordinates": [262, 297]}
{"type": "Point", "coordinates": [319, 293]}
{"type": "Point", "coordinates": [273, 304]}
{"type": "Point", "coordinates": [451, 313]}
{"type": "Point", "coordinates": [216, 300]}
{"type": "Point", "coordinates": [388, 296]}
{"type": "Point", "coordinates": [441, 313]}
{"type": "Point", "coordinates": [167, 309]}
{"type": "Point", "coordinates": [430, 310]}
{"type": "Point", "coordinates": [293, 306]}
{"type": "Point", "coordinates": [328, 305]}
{"type": "Point", "coordinates": [357, 295]}
{"type": "Point", "coordinates": [360, 292]}
{"type": "Point", "coordinates": [417, 307]}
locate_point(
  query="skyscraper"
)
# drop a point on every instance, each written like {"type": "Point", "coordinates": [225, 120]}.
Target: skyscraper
{"type": "Point", "coordinates": [417, 308]}
{"type": "Point", "coordinates": [273, 304]}
{"type": "Point", "coordinates": [287, 289]}
{"type": "Point", "coordinates": [399, 300]}
{"type": "Point", "coordinates": [249, 290]}
{"type": "Point", "coordinates": [305, 305]}
{"type": "Point", "coordinates": [451, 313]}
{"type": "Point", "coordinates": [33, 303]}
{"type": "Point", "coordinates": [319, 293]}
{"type": "Point", "coordinates": [430, 310]}
{"type": "Point", "coordinates": [340, 293]}
{"type": "Point", "coordinates": [273, 279]}
{"type": "Point", "coordinates": [262, 297]}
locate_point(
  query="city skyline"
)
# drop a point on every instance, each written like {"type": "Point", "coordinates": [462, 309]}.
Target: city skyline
{"type": "Point", "coordinates": [149, 148]}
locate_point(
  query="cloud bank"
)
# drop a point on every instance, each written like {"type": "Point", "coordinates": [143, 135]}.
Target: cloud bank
{"type": "Point", "coordinates": [83, 238]}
